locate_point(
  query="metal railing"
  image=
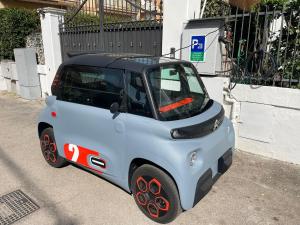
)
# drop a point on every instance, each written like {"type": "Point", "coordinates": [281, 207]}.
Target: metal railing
{"type": "Point", "coordinates": [65, 3]}
{"type": "Point", "coordinates": [116, 11]}
{"type": "Point", "coordinates": [117, 26]}
{"type": "Point", "coordinates": [262, 47]}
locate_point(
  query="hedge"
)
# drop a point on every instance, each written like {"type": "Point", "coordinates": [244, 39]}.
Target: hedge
{"type": "Point", "coordinates": [15, 25]}
{"type": "Point", "coordinates": [86, 19]}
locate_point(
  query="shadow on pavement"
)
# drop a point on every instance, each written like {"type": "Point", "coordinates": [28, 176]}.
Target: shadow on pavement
{"type": "Point", "coordinates": [39, 194]}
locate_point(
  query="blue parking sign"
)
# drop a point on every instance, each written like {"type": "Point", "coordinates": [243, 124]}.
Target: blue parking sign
{"type": "Point", "coordinates": [197, 48]}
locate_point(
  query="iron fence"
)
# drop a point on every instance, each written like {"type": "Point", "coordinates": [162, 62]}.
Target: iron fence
{"type": "Point", "coordinates": [117, 26]}
{"type": "Point", "coordinates": [262, 47]}
{"type": "Point", "coordinates": [120, 10]}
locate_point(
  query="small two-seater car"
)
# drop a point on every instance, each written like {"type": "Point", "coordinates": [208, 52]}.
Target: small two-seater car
{"type": "Point", "coordinates": [144, 123]}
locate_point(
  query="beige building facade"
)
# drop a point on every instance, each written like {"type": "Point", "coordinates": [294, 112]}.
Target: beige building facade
{"type": "Point", "coordinates": [34, 4]}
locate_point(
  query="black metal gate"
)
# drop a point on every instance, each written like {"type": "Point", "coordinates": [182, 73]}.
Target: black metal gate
{"type": "Point", "coordinates": [115, 26]}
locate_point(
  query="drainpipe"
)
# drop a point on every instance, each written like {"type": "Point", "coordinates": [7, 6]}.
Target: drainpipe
{"type": "Point", "coordinates": [235, 108]}
{"type": "Point", "coordinates": [203, 8]}
{"type": "Point", "coordinates": [230, 99]}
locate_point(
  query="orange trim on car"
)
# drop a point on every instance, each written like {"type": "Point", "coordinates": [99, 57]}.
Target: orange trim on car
{"type": "Point", "coordinates": [175, 105]}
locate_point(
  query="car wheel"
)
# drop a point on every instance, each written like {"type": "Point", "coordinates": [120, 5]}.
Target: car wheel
{"type": "Point", "coordinates": [49, 149]}
{"type": "Point", "coordinates": [155, 193]}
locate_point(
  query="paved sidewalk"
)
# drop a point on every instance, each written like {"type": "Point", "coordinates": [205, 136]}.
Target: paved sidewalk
{"type": "Point", "coordinates": [255, 190]}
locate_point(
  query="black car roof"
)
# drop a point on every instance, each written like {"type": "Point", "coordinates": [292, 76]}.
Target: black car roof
{"type": "Point", "coordinates": [132, 62]}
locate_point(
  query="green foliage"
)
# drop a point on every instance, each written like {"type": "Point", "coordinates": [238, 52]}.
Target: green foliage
{"type": "Point", "coordinates": [216, 8]}
{"type": "Point", "coordinates": [82, 18]}
{"type": "Point", "coordinates": [220, 8]}
{"type": "Point", "coordinates": [274, 3]}
{"type": "Point", "coordinates": [290, 42]}
{"type": "Point", "coordinates": [15, 25]}
{"type": "Point", "coordinates": [87, 19]}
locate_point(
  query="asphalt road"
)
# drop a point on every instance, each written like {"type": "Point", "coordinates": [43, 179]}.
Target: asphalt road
{"type": "Point", "coordinates": [255, 190]}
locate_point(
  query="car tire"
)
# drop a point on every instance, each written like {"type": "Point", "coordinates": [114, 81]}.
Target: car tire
{"type": "Point", "coordinates": [49, 149]}
{"type": "Point", "coordinates": [155, 193]}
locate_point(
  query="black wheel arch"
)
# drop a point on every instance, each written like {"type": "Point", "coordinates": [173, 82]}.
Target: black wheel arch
{"type": "Point", "coordinates": [137, 162]}
{"type": "Point", "coordinates": [42, 126]}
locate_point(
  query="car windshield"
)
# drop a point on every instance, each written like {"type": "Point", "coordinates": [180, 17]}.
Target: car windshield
{"type": "Point", "coordinates": [177, 91]}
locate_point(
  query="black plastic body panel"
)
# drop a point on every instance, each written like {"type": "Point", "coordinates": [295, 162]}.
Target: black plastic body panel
{"type": "Point", "coordinates": [206, 181]}
{"type": "Point", "coordinates": [199, 130]}
{"type": "Point", "coordinates": [225, 162]}
{"type": "Point", "coordinates": [203, 186]}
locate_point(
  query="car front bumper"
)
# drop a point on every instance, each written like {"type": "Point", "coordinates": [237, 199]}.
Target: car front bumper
{"type": "Point", "coordinates": [206, 181]}
{"type": "Point", "coordinates": [214, 157]}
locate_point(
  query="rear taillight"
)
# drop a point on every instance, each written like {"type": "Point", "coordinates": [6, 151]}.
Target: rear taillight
{"type": "Point", "coordinates": [55, 84]}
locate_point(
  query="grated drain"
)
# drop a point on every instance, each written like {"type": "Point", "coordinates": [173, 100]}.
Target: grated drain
{"type": "Point", "coordinates": [14, 206]}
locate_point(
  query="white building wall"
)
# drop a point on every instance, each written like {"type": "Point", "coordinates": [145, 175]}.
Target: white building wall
{"type": "Point", "coordinates": [176, 13]}
{"type": "Point", "coordinates": [214, 86]}
{"type": "Point", "coordinates": [42, 72]}
{"type": "Point", "coordinates": [268, 118]}
{"type": "Point", "coordinates": [269, 121]}
{"type": "Point", "coordinates": [3, 86]}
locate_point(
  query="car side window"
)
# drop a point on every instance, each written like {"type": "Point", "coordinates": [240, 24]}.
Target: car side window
{"type": "Point", "coordinates": [92, 86]}
{"type": "Point", "coordinates": [137, 99]}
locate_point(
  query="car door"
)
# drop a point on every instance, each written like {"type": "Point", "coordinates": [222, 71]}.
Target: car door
{"type": "Point", "coordinates": [89, 134]}
{"type": "Point", "coordinates": [139, 121]}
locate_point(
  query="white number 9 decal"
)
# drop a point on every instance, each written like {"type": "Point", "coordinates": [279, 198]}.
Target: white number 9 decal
{"type": "Point", "coordinates": [74, 148]}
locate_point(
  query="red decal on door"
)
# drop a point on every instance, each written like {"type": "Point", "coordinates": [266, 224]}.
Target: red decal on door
{"type": "Point", "coordinates": [81, 155]}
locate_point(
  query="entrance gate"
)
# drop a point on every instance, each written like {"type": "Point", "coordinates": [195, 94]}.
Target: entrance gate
{"type": "Point", "coordinates": [113, 26]}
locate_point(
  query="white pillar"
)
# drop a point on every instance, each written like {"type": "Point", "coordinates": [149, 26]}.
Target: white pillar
{"type": "Point", "coordinates": [52, 50]}
{"type": "Point", "coordinates": [193, 9]}
{"type": "Point", "coordinates": [176, 13]}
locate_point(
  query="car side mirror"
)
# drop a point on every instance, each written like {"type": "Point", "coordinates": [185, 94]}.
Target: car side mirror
{"type": "Point", "coordinates": [114, 108]}
{"type": "Point", "coordinates": [50, 100]}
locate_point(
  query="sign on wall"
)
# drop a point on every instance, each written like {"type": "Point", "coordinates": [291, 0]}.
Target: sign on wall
{"type": "Point", "coordinates": [197, 49]}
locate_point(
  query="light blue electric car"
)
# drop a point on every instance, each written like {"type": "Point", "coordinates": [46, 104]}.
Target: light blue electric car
{"type": "Point", "coordinates": [144, 123]}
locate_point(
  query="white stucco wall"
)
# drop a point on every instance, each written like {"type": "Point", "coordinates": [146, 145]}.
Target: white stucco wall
{"type": "Point", "coordinates": [268, 118]}
{"type": "Point", "coordinates": [12, 84]}
{"type": "Point", "coordinates": [42, 72]}
{"type": "Point", "coordinates": [214, 86]}
{"type": "Point", "coordinates": [3, 86]}
{"type": "Point", "coordinates": [269, 121]}
{"type": "Point", "coordinates": [8, 77]}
